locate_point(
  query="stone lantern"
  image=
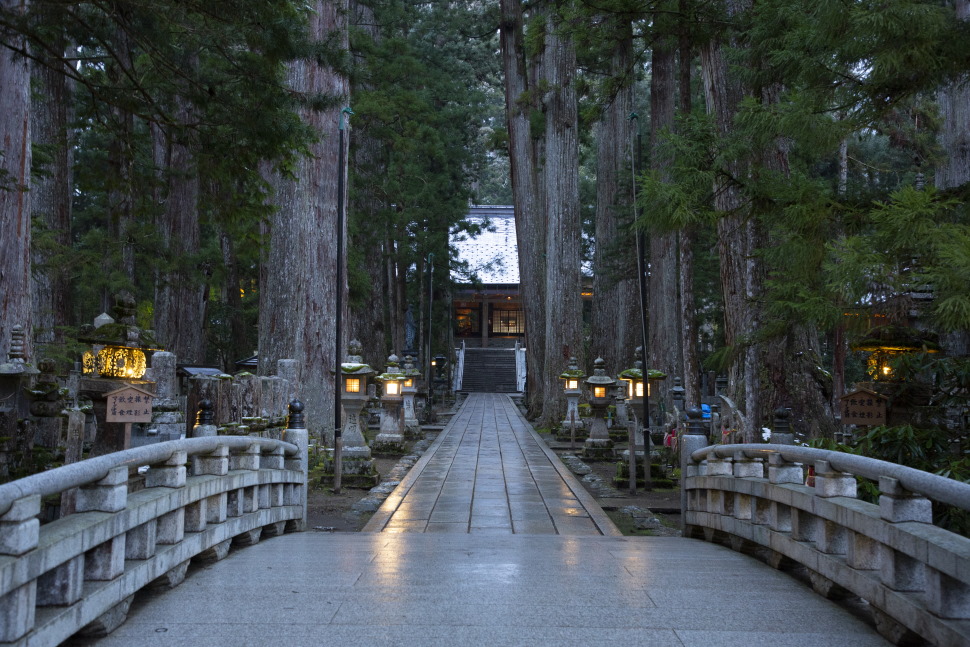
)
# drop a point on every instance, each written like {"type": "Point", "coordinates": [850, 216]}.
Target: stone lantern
{"type": "Point", "coordinates": [571, 378]}
{"type": "Point", "coordinates": [409, 388]}
{"type": "Point", "coordinates": [599, 445]}
{"type": "Point", "coordinates": [634, 393]}
{"type": "Point", "coordinates": [391, 437]}
{"type": "Point", "coordinates": [356, 461]}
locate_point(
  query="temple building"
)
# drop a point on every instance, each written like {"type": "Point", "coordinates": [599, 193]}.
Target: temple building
{"type": "Point", "coordinates": [488, 313]}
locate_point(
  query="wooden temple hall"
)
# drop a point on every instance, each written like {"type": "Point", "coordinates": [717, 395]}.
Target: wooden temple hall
{"type": "Point", "coordinates": [489, 314]}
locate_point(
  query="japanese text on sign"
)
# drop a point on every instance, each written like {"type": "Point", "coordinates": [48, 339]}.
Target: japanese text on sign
{"type": "Point", "coordinates": [863, 408]}
{"type": "Point", "coordinates": [129, 405]}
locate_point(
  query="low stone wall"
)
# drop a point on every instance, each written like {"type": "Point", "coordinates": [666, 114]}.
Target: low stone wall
{"type": "Point", "coordinates": [184, 500]}
{"type": "Point", "coordinates": [914, 576]}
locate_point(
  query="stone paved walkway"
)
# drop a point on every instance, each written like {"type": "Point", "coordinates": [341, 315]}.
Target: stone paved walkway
{"type": "Point", "coordinates": [480, 581]}
{"type": "Point", "coordinates": [488, 472]}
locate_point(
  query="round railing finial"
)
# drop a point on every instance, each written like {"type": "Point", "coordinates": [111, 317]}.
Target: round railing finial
{"type": "Point", "coordinates": [296, 420]}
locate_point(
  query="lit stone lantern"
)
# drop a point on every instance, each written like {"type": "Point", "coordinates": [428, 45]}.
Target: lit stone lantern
{"type": "Point", "coordinates": [391, 437]}
{"type": "Point", "coordinates": [599, 445]}
{"type": "Point", "coordinates": [887, 343]}
{"type": "Point", "coordinates": [633, 378]}
{"type": "Point", "coordinates": [571, 378]}
{"type": "Point", "coordinates": [356, 459]}
{"type": "Point", "coordinates": [408, 390]}
{"type": "Point", "coordinates": [115, 361]}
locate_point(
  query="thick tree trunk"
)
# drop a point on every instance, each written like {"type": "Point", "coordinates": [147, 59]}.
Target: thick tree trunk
{"type": "Point", "coordinates": [665, 311]}
{"type": "Point", "coordinates": [615, 329]}
{"type": "Point", "coordinates": [179, 315]}
{"type": "Point", "coordinates": [298, 303]}
{"type": "Point", "coordinates": [691, 372]}
{"type": "Point", "coordinates": [15, 197]}
{"type": "Point", "coordinates": [239, 345]}
{"type": "Point", "coordinates": [736, 236]}
{"type": "Point", "coordinates": [529, 216]}
{"type": "Point", "coordinates": [51, 195]}
{"type": "Point", "coordinates": [954, 100]}
{"type": "Point", "coordinates": [564, 310]}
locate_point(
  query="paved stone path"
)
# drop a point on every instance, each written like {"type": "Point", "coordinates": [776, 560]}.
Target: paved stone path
{"type": "Point", "coordinates": [481, 582]}
{"type": "Point", "coordinates": [488, 472]}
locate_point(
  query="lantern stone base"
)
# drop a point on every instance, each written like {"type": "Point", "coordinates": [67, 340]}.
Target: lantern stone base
{"type": "Point", "coordinates": [388, 445]}
{"type": "Point", "coordinates": [564, 434]}
{"type": "Point", "coordinates": [412, 429]}
{"type": "Point", "coordinates": [357, 469]}
{"type": "Point", "coordinates": [658, 480]}
{"type": "Point", "coordinates": [598, 449]}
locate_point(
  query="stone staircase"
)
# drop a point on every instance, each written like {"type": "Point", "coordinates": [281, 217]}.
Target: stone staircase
{"type": "Point", "coordinates": [489, 370]}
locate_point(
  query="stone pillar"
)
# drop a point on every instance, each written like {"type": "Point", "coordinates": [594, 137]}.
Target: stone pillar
{"type": "Point", "coordinates": [694, 438]}
{"type": "Point", "coordinates": [168, 421]}
{"type": "Point", "coordinates": [296, 434]}
{"type": "Point", "coordinates": [412, 427]}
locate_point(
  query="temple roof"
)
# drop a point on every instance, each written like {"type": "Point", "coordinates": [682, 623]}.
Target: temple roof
{"type": "Point", "coordinates": [493, 255]}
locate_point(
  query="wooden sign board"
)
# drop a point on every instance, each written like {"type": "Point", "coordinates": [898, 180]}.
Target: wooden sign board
{"type": "Point", "coordinates": [863, 408]}
{"type": "Point", "coordinates": [129, 404]}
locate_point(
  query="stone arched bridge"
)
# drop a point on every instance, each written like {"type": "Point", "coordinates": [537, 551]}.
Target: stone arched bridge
{"type": "Point", "coordinates": [488, 540]}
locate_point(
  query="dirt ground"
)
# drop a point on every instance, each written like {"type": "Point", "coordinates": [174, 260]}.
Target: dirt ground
{"type": "Point", "coordinates": [329, 512]}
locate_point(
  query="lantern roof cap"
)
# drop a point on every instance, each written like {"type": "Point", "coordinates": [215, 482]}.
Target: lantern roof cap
{"type": "Point", "coordinates": [409, 366]}
{"type": "Point", "coordinates": [898, 338]}
{"type": "Point", "coordinates": [392, 371]}
{"type": "Point", "coordinates": [354, 363]}
{"type": "Point", "coordinates": [599, 376]}
{"type": "Point", "coordinates": [572, 371]}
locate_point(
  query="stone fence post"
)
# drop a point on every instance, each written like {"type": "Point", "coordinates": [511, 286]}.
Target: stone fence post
{"type": "Point", "coordinates": [296, 434]}
{"type": "Point", "coordinates": [694, 438]}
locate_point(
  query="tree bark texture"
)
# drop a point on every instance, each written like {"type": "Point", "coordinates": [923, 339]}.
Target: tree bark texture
{"type": "Point", "coordinates": [954, 100]}
{"type": "Point", "coordinates": [691, 372]}
{"type": "Point", "coordinates": [564, 314]}
{"type": "Point", "coordinates": [179, 315]}
{"type": "Point", "coordinates": [665, 311]}
{"type": "Point", "coordinates": [298, 303]}
{"type": "Point", "coordinates": [15, 199]}
{"type": "Point", "coordinates": [529, 217]}
{"type": "Point", "coordinates": [239, 345]}
{"type": "Point", "coordinates": [736, 235]}
{"type": "Point", "coordinates": [121, 161]}
{"type": "Point", "coordinates": [51, 196]}
{"type": "Point", "coordinates": [615, 329]}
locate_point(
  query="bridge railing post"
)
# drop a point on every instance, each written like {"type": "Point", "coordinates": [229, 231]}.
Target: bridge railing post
{"type": "Point", "coordinates": [296, 434]}
{"type": "Point", "coordinates": [694, 438]}
{"type": "Point", "coordinates": [19, 534]}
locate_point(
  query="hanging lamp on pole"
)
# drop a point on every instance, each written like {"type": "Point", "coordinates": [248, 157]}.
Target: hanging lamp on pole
{"type": "Point", "coordinates": [337, 440]}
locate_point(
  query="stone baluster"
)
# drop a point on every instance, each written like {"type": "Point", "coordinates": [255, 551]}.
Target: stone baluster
{"type": "Point", "coordinates": [19, 534]}
{"type": "Point", "coordinates": [110, 494]}
{"type": "Point", "coordinates": [744, 467]}
{"type": "Point", "coordinates": [782, 471]}
{"type": "Point", "coordinates": [898, 570]}
{"type": "Point", "coordinates": [831, 537]}
{"type": "Point", "coordinates": [214, 464]}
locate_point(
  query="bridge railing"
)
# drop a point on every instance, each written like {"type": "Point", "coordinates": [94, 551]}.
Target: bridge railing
{"type": "Point", "coordinates": [914, 576]}
{"type": "Point", "coordinates": [197, 497]}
